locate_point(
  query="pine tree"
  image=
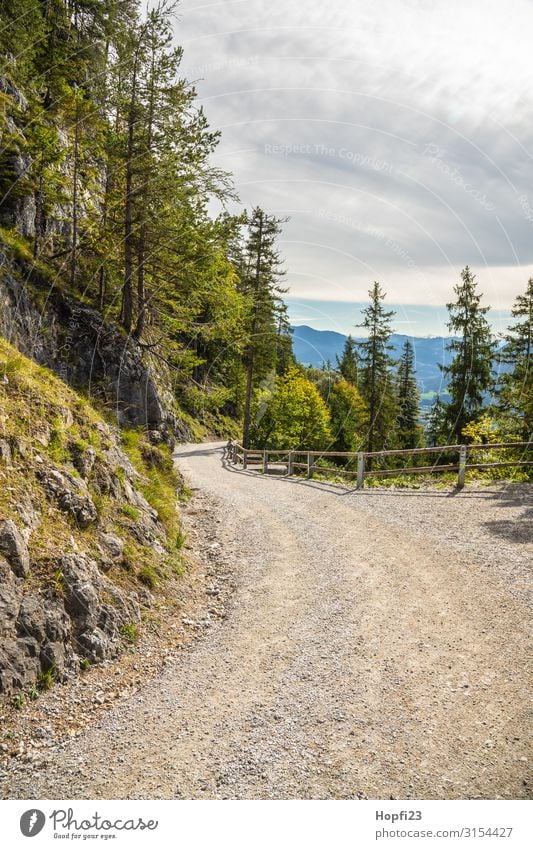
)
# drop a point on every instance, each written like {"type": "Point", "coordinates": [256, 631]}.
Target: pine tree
{"type": "Point", "coordinates": [348, 363]}
{"type": "Point", "coordinates": [515, 393]}
{"type": "Point", "coordinates": [409, 429]}
{"type": "Point", "coordinates": [436, 429]}
{"type": "Point", "coordinates": [470, 371]}
{"type": "Point", "coordinates": [261, 272]}
{"type": "Point", "coordinates": [376, 382]}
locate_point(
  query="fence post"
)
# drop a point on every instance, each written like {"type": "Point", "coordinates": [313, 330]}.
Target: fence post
{"type": "Point", "coordinates": [289, 464]}
{"type": "Point", "coordinates": [234, 454]}
{"type": "Point", "coordinates": [265, 462]}
{"type": "Point", "coordinates": [462, 467]}
{"type": "Point", "coordinates": [310, 465]}
{"type": "Point", "coordinates": [245, 458]}
{"type": "Point", "coordinates": [360, 470]}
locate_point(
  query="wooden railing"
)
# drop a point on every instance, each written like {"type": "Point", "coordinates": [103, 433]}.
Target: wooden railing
{"type": "Point", "coordinates": [291, 459]}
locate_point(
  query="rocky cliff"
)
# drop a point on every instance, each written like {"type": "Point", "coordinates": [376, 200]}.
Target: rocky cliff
{"type": "Point", "coordinates": [92, 354]}
{"type": "Point", "coordinates": [89, 528]}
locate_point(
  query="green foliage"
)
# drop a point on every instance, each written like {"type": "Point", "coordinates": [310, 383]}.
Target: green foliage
{"type": "Point", "coordinates": [376, 382]}
{"type": "Point", "coordinates": [130, 632]}
{"type": "Point", "coordinates": [160, 481]}
{"type": "Point", "coordinates": [19, 701]}
{"type": "Point", "coordinates": [120, 175]}
{"type": "Point", "coordinates": [85, 664]}
{"type": "Point", "coordinates": [408, 395]}
{"type": "Point", "coordinates": [131, 512]}
{"type": "Point", "coordinates": [515, 390]}
{"type": "Point", "coordinates": [59, 582]}
{"type": "Point", "coordinates": [348, 363]}
{"type": "Point", "coordinates": [33, 693]}
{"type": "Point", "coordinates": [46, 679]}
{"type": "Point", "coordinates": [437, 429]}
{"type": "Point", "coordinates": [259, 266]}
{"type": "Point", "coordinates": [470, 371]}
{"type": "Point", "coordinates": [485, 430]}
{"type": "Point", "coordinates": [57, 448]}
{"type": "Point", "coordinates": [148, 576]}
{"type": "Point", "coordinates": [349, 417]}
{"type": "Point", "coordinates": [293, 416]}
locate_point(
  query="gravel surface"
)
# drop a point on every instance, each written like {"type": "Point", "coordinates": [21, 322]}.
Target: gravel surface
{"type": "Point", "coordinates": [370, 644]}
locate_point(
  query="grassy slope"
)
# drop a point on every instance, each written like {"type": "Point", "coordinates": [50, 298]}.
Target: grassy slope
{"type": "Point", "coordinates": [41, 416]}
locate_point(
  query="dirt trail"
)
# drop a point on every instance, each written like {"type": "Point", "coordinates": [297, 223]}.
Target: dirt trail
{"type": "Point", "coordinates": [362, 654]}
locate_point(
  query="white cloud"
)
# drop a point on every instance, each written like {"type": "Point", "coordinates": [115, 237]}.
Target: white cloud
{"type": "Point", "coordinates": [397, 136]}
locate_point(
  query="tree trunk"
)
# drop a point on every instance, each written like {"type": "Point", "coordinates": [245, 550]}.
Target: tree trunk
{"type": "Point", "coordinates": [73, 255]}
{"type": "Point", "coordinates": [127, 294]}
{"type": "Point", "coordinates": [251, 349]}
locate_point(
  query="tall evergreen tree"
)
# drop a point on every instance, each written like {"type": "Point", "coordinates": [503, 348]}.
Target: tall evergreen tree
{"type": "Point", "coordinates": [376, 382]}
{"type": "Point", "coordinates": [117, 168]}
{"type": "Point", "coordinates": [261, 273]}
{"type": "Point", "coordinates": [470, 371]}
{"type": "Point", "coordinates": [436, 429]}
{"type": "Point", "coordinates": [515, 392]}
{"type": "Point", "coordinates": [348, 362]}
{"type": "Point", "coordinates": [409, 429]}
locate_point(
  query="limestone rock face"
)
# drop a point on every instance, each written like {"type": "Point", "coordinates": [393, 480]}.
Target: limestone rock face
{"type": "Point", "coordinates": [14, 548]}
{"type": "Point", "coordinates": [78, 345]}
{"type": "Point", "coordinates": [53, 630]}
{"type": "Point", "coordinates": [71, 495]}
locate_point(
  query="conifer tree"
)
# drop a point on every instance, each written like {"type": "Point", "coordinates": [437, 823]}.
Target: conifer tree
{"type": "Point", "coordinates": [515, 392]}
{"type": "Point", "coordinates": [409, 429]}
{"type": "Point", "coordinates": [470, 371]}
{"type": "Point", "coordinates": [376, 382]}
{"type": "Point", "coordinates": [348, 362]}
{"type": "Point", "coordinates": [436, 430]}
{"type": "Point", "coordinates": [261, 273]}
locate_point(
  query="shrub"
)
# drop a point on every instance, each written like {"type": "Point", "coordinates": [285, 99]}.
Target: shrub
{"type": "Point", "coordinates": [130, 632]}
{"type": "Point", "coordinates": [148, 576]}
{"type": "Point", "coordinates": [131, 512]}
{"type": "Point", "coordinates": [294, 416]}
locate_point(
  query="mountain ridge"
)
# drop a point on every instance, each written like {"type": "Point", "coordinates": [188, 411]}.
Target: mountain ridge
{"type": "Point", "coordinates": [314, 347]}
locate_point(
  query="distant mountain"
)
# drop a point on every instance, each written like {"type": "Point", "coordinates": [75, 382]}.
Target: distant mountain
{"type": "Point", "coordinates": [314, 347]}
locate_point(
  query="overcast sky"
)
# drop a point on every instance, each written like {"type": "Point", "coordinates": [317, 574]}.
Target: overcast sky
{"type": "Point", "coordinates": [398, 137]}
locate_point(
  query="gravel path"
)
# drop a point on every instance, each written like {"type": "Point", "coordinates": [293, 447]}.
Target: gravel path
{"type": "Point", "coordinates": [374, 645]}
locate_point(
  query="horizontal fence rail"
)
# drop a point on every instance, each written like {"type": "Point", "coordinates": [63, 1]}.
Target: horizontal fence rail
{"type": "Point", "coordinates": [290, 460]}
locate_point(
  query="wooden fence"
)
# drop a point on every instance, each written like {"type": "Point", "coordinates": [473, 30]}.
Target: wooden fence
{"type": "Point", "coordinates": [456, 459]}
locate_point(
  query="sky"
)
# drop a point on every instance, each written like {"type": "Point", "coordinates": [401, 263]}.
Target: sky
{"type": "Point", "coordinates": [396, 137]}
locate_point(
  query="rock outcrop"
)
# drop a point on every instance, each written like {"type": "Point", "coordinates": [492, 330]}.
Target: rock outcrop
{"type": "Point", "coordinates": [79, 541]}
{"type": "Point", "coordinates": [86, 351]}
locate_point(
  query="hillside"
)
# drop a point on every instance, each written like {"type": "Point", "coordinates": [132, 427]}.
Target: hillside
{"type": "Point", "coordinates": [89, 529]}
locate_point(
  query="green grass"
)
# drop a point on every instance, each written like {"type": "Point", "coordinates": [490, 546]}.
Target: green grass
{"type": "Point", "coordinates": [148, 576]}
{"type": "Point", "coordinates": [46, 679]}
{"type": "Point", "coordinates": [59, 582]}
{"type": "Point", "coordinates": [130, 632]}
{"type": "Point", "coordinates": [58, 449]}
{"type": "Point", "coordinates": [33, 693]}
{"type": "Point", "coordinates": [131, 512]}
{"type": "Point", "coordinates": [160, 481]}
{"type": "Point", "coordinates": [19, 701]}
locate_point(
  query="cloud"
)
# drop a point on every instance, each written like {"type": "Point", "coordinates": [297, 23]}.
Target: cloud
{"type": "Point", "coordinates": [396, 136]}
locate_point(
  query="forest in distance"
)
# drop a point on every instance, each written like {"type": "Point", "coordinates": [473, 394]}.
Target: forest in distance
{"type": "Point", "coordinates": [106, 180]}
